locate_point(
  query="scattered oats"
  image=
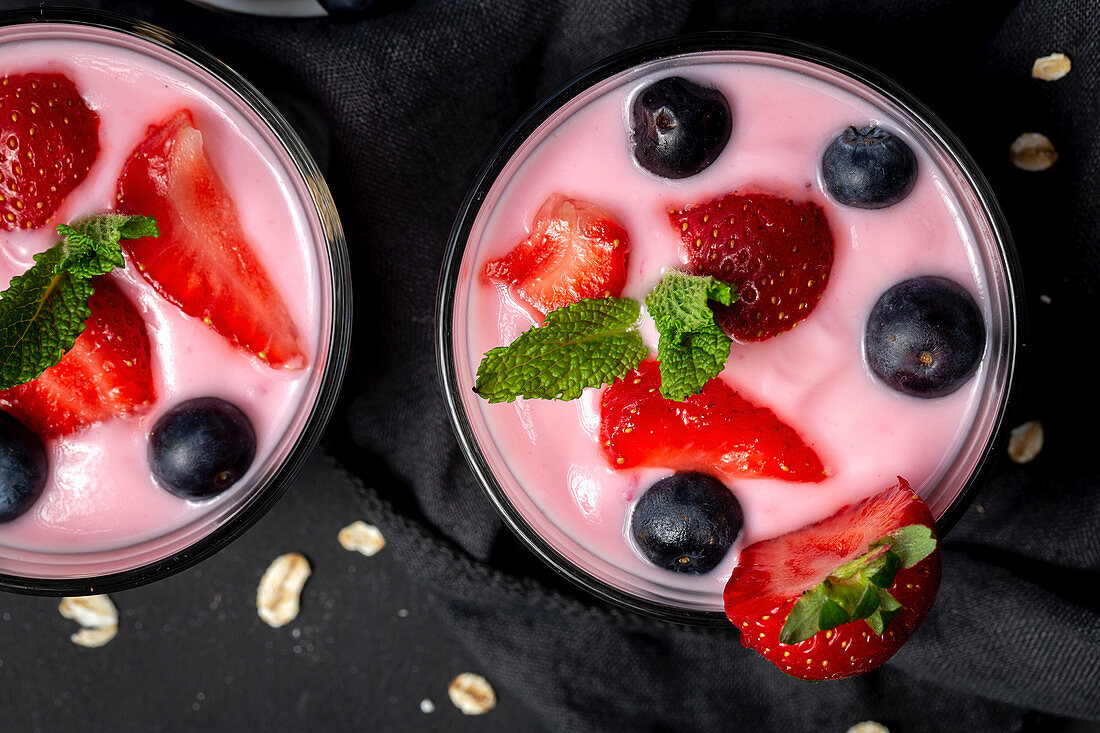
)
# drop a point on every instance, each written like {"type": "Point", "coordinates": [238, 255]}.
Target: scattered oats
{"type": "Point", "coordinates": [280, 589]}
{"type": "Point", "coordinates": [1049, 68]}
{"type": "Point", "coordinates": [1044, 299]}
{"type": "Point", "coordinates": [93, 612]}
{"type": "Point", "coordinates": [361, 537]}
{"type": "Point", "coordinates": [427, 706]}
{"type": "Point", "coordinates": [1025, 442]}
{"type": "Point", "coordinates": [472, 694]}
{"type": "Point", "coordinates": [97, 616]}
{"type": "Point", "coordinates": [1032, 151]}
{"type": "Point", "coordinates": [868, 726]}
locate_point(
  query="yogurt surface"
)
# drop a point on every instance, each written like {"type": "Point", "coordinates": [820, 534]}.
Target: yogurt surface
{"type": "Point", "coordinates": [101, 494]}
{"type": "Point", "coordinates": [546, 454]}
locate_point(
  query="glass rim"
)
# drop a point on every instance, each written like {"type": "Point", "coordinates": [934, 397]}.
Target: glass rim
{"type": "Point", "coordinates": [336, 357]}
{"type": "Point", "coordinates": [620, 62]}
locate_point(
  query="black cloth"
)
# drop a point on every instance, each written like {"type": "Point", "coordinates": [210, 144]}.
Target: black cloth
{"type": "Point", "coordinates": [413, 98]}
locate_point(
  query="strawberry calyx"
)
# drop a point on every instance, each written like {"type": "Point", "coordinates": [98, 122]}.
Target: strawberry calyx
{"type": "Point", "coordinates": [859, 589]}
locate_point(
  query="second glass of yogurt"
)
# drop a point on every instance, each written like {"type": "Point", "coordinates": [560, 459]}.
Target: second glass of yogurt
{"type": "Point", "coordinates": [541, 461]}
{"type": "Point", "coordinates": [242, 307]}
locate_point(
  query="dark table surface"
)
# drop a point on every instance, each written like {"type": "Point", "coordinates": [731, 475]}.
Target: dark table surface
{"type": "Point", "coordinates": [192, 653]}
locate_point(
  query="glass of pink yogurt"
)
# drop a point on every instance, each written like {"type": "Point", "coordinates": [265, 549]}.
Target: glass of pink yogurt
{"type": "Point", "coordinates": [541, 461]}
{"type": "Point", "coordinates": [104, 521]}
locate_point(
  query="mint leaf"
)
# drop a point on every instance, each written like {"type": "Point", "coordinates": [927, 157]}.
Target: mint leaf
{"type": "Point", "coordinates": [586, 344]}
{"type": "Point", "coordinates": [692, 348]}
{"type": "Point", "coordinates": [43, 310]}
{"type": "Point", "coordinates": [679, 302]}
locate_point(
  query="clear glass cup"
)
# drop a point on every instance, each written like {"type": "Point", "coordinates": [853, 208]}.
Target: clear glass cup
{"type": "Point", "coordinates": [79, 572]}
{"type": "Point", "coordinates": [954, 486]}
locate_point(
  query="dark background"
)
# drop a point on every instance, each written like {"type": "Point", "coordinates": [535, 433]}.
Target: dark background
{"type": "Point", "coordinates": [402, 105]}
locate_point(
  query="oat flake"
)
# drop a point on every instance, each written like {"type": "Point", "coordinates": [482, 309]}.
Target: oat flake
{"type": "Point", "coordinates": [361, 537]}
{"type": "Point", "coordinates": [93, 638]}
{"type": "Point", "coordinates": [1032, 151]}
{"type": "Point", "coordinates": [1052, 67]}
{"type": "Point", "coordinates": [1025, 442]}
{"type": "Point", "coordinates": [97, 616]}
{"type": "Point", "coordinates": [472, 694]}
{"type": "Point", "coordinates": [277, 598]}
{"type": "Point", "coordinates": [92, 612]}
{"type": "Point", "coordinates": [868, 726]}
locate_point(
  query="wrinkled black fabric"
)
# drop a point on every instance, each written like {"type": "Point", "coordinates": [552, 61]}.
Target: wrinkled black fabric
{"type": "Point", "coordinates": [412, 98]}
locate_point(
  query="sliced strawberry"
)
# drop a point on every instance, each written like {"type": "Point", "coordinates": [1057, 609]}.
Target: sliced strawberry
{"type": "Point", "coordinates": [777, 254]}
{"type": "Point", "coordinates": [48, 142]}
{"type": "Point", "coordinates": [821, 582]}
{"type": "Point", "coordinates": [202, 261]}
{"type": "Point", "coordinates": [575, 251]}
{"type": "Point", "coordinates": [106, 374]}
{"type": "Point", "coordinates": [715, 431]}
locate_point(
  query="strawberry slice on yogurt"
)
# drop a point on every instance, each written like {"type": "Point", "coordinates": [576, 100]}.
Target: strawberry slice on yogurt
{"type": "Point", "coordinates": [202, 261]}
{"type": "Point", "coordinates": [576, 250]}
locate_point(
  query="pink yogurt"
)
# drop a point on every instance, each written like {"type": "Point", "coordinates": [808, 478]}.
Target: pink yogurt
{"type": "Point", "coordinates": [101, 494]}
{"type": "Point", "coordinates": [546, 454]}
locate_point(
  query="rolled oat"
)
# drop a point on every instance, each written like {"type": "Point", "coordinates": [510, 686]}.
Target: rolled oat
{"type": "Point", "coordinates": [472, 694]}
{"type": "Point", "coordinates": [1052, 67]}
{"type": "Point", "coordinates": [277, 598]}
{"type": "Point", "coordinates": [1032, 151]}
{"type": "Point", "coordinates": [1025, 441]}
{"type": "Point", "coordinates": [362, 537]}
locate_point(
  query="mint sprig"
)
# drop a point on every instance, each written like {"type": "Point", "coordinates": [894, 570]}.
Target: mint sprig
{"type": "Point", "coordinates": [43, 310]}
{"type": "Point", "coordinates": [585, 344]}
{"type": "Point", "coordinates": [860, 589]}
{"type": "Point", "coordinates": [594, 342]}
{"type": "Point", "coordinates": [692, 348]}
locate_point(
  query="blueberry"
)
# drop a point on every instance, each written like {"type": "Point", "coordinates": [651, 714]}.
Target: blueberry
{"type": "Point", "coordinates": [686, 522]}
{"type": "Point", "coordinates": [868, 168]}
{"type": "Point", "coordinates": [23, 467]}
{"type": "Point", "coordinates": [200, 447]}
{"type": "Point", "coordinates": [925, 337]}
{"type": "Point", "coordinates": [679, 128]}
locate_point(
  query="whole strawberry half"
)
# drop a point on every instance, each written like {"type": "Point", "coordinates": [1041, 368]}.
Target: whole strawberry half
{"type": "Point", "coordinates": [837, 598]}
{"type": "Point", "coordinates": [48, 142]}
{"type": "Point", "coordinates": [716, 431]}
{"type": "Point", "coordinates": [777, 254]}
{"type": "Point", "coordinates": [106, 374]}
{"type": "Point", "coordinates": [202, 261]}
{"type": "Point", "coordinates": [575, 251]}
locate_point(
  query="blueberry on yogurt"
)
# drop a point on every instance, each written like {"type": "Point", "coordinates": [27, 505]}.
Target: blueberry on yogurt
{"type": "Point", "coordinates": [868, 168]}
{"type": "Point", "coordinates": [679, 127]}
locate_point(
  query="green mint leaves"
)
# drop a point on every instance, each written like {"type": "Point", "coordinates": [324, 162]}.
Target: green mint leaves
{"type": "Point", "coordinates": [43, 310]}
{"type": "Point", "coordinates": [693, 348]}
{"type": "Point", "coordinates": [860, 589]}
{"type": "Point", "coordinates": [586, 344]}
{"type": "Point", "coordinates": [594, 342]}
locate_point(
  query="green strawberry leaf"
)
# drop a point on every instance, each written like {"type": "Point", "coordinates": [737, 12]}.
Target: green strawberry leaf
{"type": "Point", "coordinates": [913, 543]}
{"type": "Point", "coordinates": [804, 619]}
{"type": "Point", "coordinates": [585, 344]}
{"type": "Point", "coordinates": [883, 571]}
{"type": "Point", "coordinates": [859, 589]}
{"type": "Point", "coordinates": [830, 616]}
{"type": "Point", "coordinates": [42, 312]}
{"type": "Point", "coordinates": [692, 348]}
